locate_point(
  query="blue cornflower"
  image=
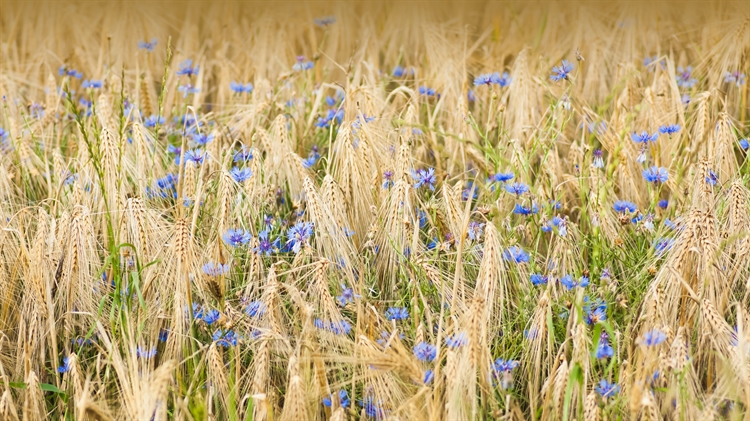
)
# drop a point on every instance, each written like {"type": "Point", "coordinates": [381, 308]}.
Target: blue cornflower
{"type": "Point", "coordinates": [656, 175]}
{"type": "Point", "coordinates": [502, 365]}
{"type": "Point", "coordinates": [502, 80]}
{"type": "Point", "coordinates": [175, 150]}
{"type": "Point", "coordinates": [328, 401]}
{"type": "Point", "coordinates": [424, 177]}
{"type": "Point", "coordinates": [211, 316]}
{"type": "Point", "coordinates": [333, 116]}
{"type": "Point", "coordinates": [604, 350]}
{"type": "Point", "coordinates": [525, 210]}
{"type": "Point", "coordinates": [471, 96]}
{"type": "Point", "coordinates": [744, 144]}
{"type": "Point", "coordinates": [93, 84]}
{"type": "Point", "coordinates": [61, 70]}
{"type": "Point", "coordinates": [670, 129]}
{"type": "Point", "coordinates": [398, 71]}
{"type": "Point", "coordinates": [598, 158]}
{"type": "Point", "coordinates": [196, 156]}
{"type": "Point", "coordinates": [407, 252]}
{"type": "Point", "coordinates": [570, 283]}
{"type": "Point", "coordinates": [163, 335]}
{"type": "Point", "coordinates": [502, 371]}
{"type": "Point", "coordinates": [197, 311]}
{"type": "Point", "coordinates": [537, 279]}
{"type": "Point", "coordinates": [225, 338]}
{"type": "Point", "coordinates": [599, 127]}
{"type": "Point", "coordinates": [66, 366]}
{"type": "Point", "coordinates": [607, 389]}
{"type": "Point", "coordinates": [86, 104]}
{"type": "Point", "coordinates": [425, 352]}
{"type": "Point", "coordinates": [685, 78]}
{"type": "Point", "coordinates": [387, 179]}
{"type": "Point", "coordinates": [425, 90]}
{"type": "Point", "coordinates": [255, 309]}
{"type": "Point", "coordinates": [239, 88]}
{"type": "Point", "coordinates": [653, 337]}
{"type": "Point", "coordinates": [188, 89]}
{"type": "Point", "coordinates": [187, 69]}
{"type": "Point", "coordinates": [215, 269]}
{"type": "Point", "coordinates": [302, 64]}
{"type": "Point", "coordinates": [347, 296]}
{"type": "Point", "coordinates": [531, 334]}
{"type": "Point", "coordinates": [311, 159]}
{"type": "Point", "coordinates": [265, 245]}
{"type": "Point", "coordinates": [372, 409]}
{"type": "Point", "coordinates": [202, 138]}
{"type": "Point", "coordinates": [546, 227]}
{"type": "Point", "coordinates": [148, 46]}
{"type": "Point", "coordinates": [299, 235]}
{"type": "Point", "coordinates": [145, 352]}
{"type": "Point", "coordinates": [474, 231]}
{"type": "Point", "coordinates": [36, 110]}
{"type": "Point", "coordinates": [69, 178]}
{"type": "Point", "coordinates": [516, 254]}
{"type": "Point", "coordinates": [594, 126]}
{"type": "Point", "coordinates": [169, 180]}
{"type": "Point", "coordinates": [358, 123]}
{"type": "Point", "coordinates": [240, 175]}
{"type": "Point", "coordinates": [81, 341]}
{"type": "Point", "coordinates": [663, 203]}
{"type": "Point", "coordinates": [244, 154]}
{"type": "Point", "coordinates": [623, 206]}
{"type": "Point", "coordinates": [642, 154]}
{"type": "Point", "coordinates": [644, 137]}
{"type": "Point", "coordinates": [650, 63]}
{"type": "Point", "coordinates": [517, 188]}
{"type": "Point", "coordinates": [561, 72]}
{"type": "Point", "coordinates": [343, 397]}
{"type": "Point", "coordinates": [503, 177]}
{"type": "Point", "coordinates": [428, 377]}
{"type": "Point", "coordinates": [468, 190]}
{"type": "Point", "coordinates": [397, 313]}
{"type": "Point", "coordinates": [595, 310]}
{"type": "Point", "coordinates": [493, 79]}
{"type": "Point", "coordinates": [663, 245]}
{"type": "Point", "coordinates": [340, 328]}
{"type": "Point", "coordinates": [325, 21]}
{"type": "Point", "coordinates": [483, 79]}
{"type": "Point", "coordinates": [153, 120]}
{"type": "Point", "coordinates": [712, 178]}
{"type": "Point", "coordinates": [561, 225]}
{"type": "Point", "coordinates": [236, 237]}
{"type": "Point", "coordinates": [456, 340]}
{"type": "Point", "coordinates": [385, 338]}
{"type": "Point", "coordinates": [3, 134]}
{"type": "Point", "coordinates": [734, 77]}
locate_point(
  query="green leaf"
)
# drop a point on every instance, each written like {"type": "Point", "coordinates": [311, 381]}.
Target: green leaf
{"type": "Point", "coordinates": [18, 385]}
{"type": "Point", "coordinates": [597, 337]}
{"type": "Point", "coordinates": [50, 388]}
{"type": "Point", "coordinates": [576, 375]}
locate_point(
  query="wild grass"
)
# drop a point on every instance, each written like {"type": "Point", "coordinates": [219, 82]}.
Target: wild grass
{"type": "Point", "coordinates": [350, 211]}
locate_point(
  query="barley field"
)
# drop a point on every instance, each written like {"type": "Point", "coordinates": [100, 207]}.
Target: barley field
{"type": "Point", "coordinates": [374, 210]}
